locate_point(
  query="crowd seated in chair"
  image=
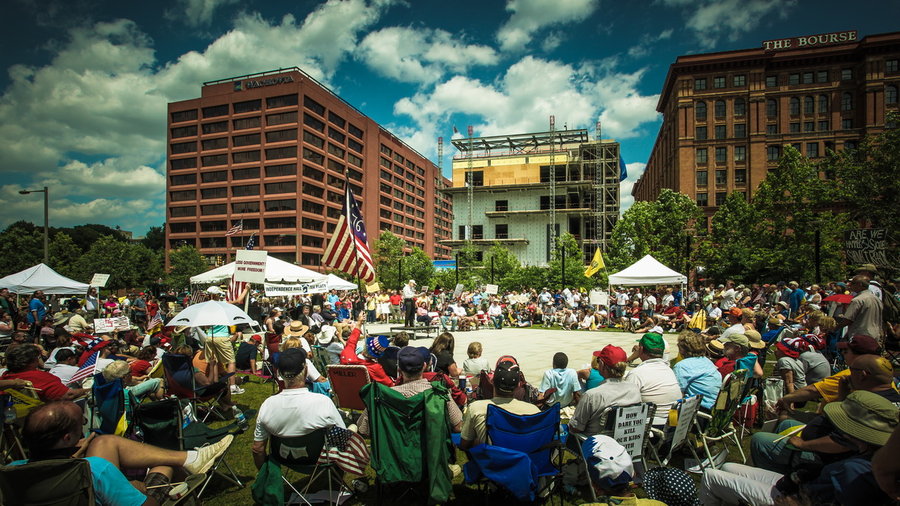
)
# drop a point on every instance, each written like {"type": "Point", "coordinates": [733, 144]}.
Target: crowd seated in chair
{"type": "Point", "coordinates": [506, 379]}
{"type": "Point", "coordinates": [25, 362]}
{"type": "Point", "coordinates": [612, 391]}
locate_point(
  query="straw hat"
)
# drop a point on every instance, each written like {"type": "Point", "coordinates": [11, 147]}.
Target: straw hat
{"type": "Point", "coordinates": [297, 329]}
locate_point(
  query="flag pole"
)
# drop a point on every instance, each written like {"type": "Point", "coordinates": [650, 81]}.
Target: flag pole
{"type": "Point", "coordinates": [355, 246]}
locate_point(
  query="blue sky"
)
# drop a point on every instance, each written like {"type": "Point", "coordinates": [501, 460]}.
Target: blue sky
{"type": "Point", "coordinates": [86, 82]}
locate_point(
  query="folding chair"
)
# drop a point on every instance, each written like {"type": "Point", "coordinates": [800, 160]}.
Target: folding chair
{"type": "Point", "coordinates": [168, 424]}
{"type": "Point", "coordinates": [630, 426]}
{"type": "Point", "coordinates": [57, 482]}
{"type": "Point", "coordinates": [686, 410]}
{"type": "Point", "coordinates": [23, 401]}
{"type": "Point", "coordinates": [346, 382]}
{"type": "Point", "coordinates": [301, 454]}
{"type": "Point", "coordinates": [109, 407]}
{"type": "Point", "coordinates": [720, 426]}
{"type": "Point", "coordinates": [179, 370]}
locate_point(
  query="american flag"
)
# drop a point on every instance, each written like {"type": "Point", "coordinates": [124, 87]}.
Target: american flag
{"type": "Point", "coordinates": [156, 320]}
{"type": "Point", "coordinates": [250, 243]}
{"type": "Point", "coordinates": [236, 229]}
{"type": "Point", "coordinates": [346, 449]}
{"type": "Point", "coordinates": [235, 289]}
{"type": "Point", "coordinates": [348, 250]}
{"type": "Point", "coordinates": [87, 369]}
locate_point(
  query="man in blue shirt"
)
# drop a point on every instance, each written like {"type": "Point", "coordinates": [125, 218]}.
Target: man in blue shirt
{"type": "Point", "coordinates": [36, 313]}
{"type": "Point", "coordinates": [564, 380]}
{"type": "Point", "coordinates": [796, 297]}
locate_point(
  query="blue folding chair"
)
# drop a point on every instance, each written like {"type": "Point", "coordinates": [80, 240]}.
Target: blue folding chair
{"type": "Point", "coordinates": [109, 409]}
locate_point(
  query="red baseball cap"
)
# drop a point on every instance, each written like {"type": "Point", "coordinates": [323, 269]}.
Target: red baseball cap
{"type": "Point", "coordinates": [611, 355]}
{"type": "Point", "coordinates": [860, 344]}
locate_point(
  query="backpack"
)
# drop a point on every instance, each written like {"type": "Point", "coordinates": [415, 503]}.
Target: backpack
{"type": "Point", "coordinates": [890, 307]}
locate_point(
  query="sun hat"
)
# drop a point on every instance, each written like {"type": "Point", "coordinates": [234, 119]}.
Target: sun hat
{"type": "Point", "coordinates": [326, 335]}
{"type": "Point", "coordinates": [715, 347]}
{"type": "Point", "coordinates": [214, 289]}
{"type": "Point", "coordinates": [866, 268]}
{"type": "Point", "coordinates": [755, 339]}
{"type": "Point", "coordinates": [864, 415]}
{"type": "Point", "coordinates": [860, 344]}
{"type": "Point", "coordinates": [783, 304]}
{"type": "Point", "coordinates": [607, 461]}
{"type": "Point", "coordinates": [740, 339]}
{"type": "Point", "coordinates": [376, 345]}
{"type": "Point", "coordinates": [652, 341]}
{"type": "Point", "coordinates": [296, 329]}
{"type": "Point", "coordinates": [611, 355]}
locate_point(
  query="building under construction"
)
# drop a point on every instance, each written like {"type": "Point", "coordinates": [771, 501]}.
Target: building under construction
{"type": "Point", "coordinates": [524, 190]}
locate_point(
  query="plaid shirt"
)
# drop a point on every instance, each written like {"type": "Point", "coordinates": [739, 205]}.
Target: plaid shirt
{"type": "Point", "coordinates": [408, 390]}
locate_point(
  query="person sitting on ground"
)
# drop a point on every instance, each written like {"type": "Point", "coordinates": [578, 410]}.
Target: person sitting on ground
{"type": "Point", "coordinates": [120, 370]}
{"type": "Point", "coordinates": [442, 349]}
{"type": "Point", "coordinates": [506, 380]}
{"type": "Point", "coordinates": [588, 322]}
{"type": "Point", "coordinates": [655, 379]}
{"type": "Point", "coordinates": [612, 391]}
{"type": "Point", "coordinates": [65, 366]}
{"type": "Point", "coordinates": [26, 362]}
{"type": "Point", "coordinates": [411, 364]}
{"type": "Point", "coordinates": [295, 411]}
{"type": "Point", "coordinates": [449, 321]}
{"type": "Point", "coordinates": [567, 319]}
{"type": "Point", "coordinates": [609, 472]}
{"type": "Point", "coordinates": [54, 431]}
{"type": "Point", "coordinates": [696, 374]}
{"type": "Point", "coordinates": [375, 346]}
{"type": "Point", "coordinates": [248, 350]}
{"type": "Point", "coordinates": [564, 380]}
{"type": "Point", "coordinates": [495, 313]}
{"type": "Point", "coordinates": [473, 365]}
{"type": "Point", "coordinates": [651, 324]}
{"type": "Point", "coordinates": [591, 377]}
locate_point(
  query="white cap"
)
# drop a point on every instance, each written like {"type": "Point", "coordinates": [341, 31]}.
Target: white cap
{"type": "Point", "coordinates": [214, 289]}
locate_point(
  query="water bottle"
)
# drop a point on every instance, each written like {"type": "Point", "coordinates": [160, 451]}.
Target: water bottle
{"type": "Point", "coordinates": [563, 431]}
{"type": "Point", "coordinates": [241, 419]}
{"type": "Point", "coordinates": [9, 413]}
{"type": "Point", "coordinates": [462, 382]}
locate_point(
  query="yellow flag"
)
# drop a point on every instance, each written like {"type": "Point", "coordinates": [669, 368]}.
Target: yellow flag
{"type": "Point", "coordinates": [596, 264]}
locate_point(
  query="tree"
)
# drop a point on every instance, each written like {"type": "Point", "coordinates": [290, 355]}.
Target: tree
{"type": "Point", "coordinates": [155, 238]}
{"type": "Point", "coordinates": [574, 268]}
{"type": "Point", "coordinates": [21, 246]}
{"type": "Point", "coordinates": [730, 251]}
{"type": "Point", "coordinates": [504, 263]}
{"type": "Point", "coordinates": [64, 254]}
{"type": "Point", "coordinates": [129, 265]}
{"type": "Point", "coordinates": [386, 253]}
{"type": "Point", "coordinates": [184, 262]}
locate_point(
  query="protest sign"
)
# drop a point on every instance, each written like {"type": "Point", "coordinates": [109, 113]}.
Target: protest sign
{"type": "Point", "coordinates": [491, 289]}
{"type": "Point", "coordinates": [631, 422]}
{"type": "Point", "coordinates": [102, 325]}
{"type": "Point", "coordinates": [250, 266]}
{"type": "Point", "coordinates": [374, 287]}
{"type": "Point", "coordinates": [599, 298]}
{"type": "Point", "coordinates": [99, 280]}
{"type": "Point", "coordinates": [273, 289]}
{"type": "Point", "coordinates": [867, 246]}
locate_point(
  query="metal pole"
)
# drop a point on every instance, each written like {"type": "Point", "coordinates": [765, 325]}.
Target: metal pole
{"type": "Point", "coordinates": [457, 269]}
{"type": "Point", "coordinates": [400, 273]}
{"type": "Point", "coordinates": [563, 249]}
{"type": "Point", "coordinates": [818, 259]}
{"type": "Point", "coordinates": [46, 226]}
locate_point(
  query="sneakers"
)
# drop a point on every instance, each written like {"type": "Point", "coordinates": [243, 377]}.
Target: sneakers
{"type": "Point", "coordinates": [236, 390]}
{"type": "Point", "coordinates": [207, 455]}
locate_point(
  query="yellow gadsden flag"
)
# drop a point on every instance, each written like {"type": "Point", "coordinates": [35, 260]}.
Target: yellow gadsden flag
{"type": "Point", "coordinates": [596, 264]}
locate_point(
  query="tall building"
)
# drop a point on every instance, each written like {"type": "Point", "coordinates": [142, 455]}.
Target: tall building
{"type": "Point", "coordinates": [521, 184]}
{"type": "Point", "coordinates": [273, 151]}
{"type": "Point", "coordinates": [727, 116]}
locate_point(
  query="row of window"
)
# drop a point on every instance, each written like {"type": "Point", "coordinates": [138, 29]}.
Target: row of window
{"type": "Point", "coordinates": [793, 78]}
{"type": "Point", "coordinates": [703, 198]}
{"type": "Point", "coordinates": [721, 154]}
{"type": "Point", "coordinates": [740, 177]}
{"type": "Point", "coordinates": [397, 157]}
{"type": "Point", "coordinates": [719, 82]}
{"type": "Point", "coordinates": [738, 131]}
{"type": "Point", "coordinates": [501, 231]}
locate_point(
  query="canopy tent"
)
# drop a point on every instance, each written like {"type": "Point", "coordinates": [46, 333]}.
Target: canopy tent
{"type": "Point", "coordinates": [277, 271]}
{"type": "Point", "coordinates": [43, 278]}
{"type": "Point", "coordinates": [647, 271]}
{"type": "Point", "coordinates": [336, 283]}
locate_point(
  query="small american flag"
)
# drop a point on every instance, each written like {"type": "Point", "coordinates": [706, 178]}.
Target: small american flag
{"type": "Point", "coordinates": [250, 243]}
{"type": "Point", "coordinates": [156, 320]}
{"type": "Point", "coordinates": [87, 369]}
{"type": "Point", "coordinates": [236, 229]}
{"type": "Point", "coordinates": [348, 250]}
{"type": "Point", "coordinates": [346, 449]}
{"type": "Point", "coordinates": [235, 289]}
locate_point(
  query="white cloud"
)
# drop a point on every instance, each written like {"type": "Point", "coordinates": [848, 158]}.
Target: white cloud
{"type": "Point", "coordinates": [530, 16]}
{"type": "Point", "coordinates": [711, 20]}
{"type": "Point", "coordinates": [552, 41]}
{"type": "Point", "coordinates": [197, 12]}
{"type": "Point", "coordinates": [647, 40]}
{"type": "Point", "coordinates": [635, 171]}
{"type": "Point", "coordinates": [421, 55]}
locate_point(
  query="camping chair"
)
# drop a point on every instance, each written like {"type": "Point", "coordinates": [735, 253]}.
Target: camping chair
{"type": "Point", "coordinates": [179, 371]}
{"type": "Point", "coordinates": [320, 357]}
{"type": "Point", "coordinates": [720, 426]}
{"type": "Point", "coordinates": [169, 424]}
{"type": "Point", "coordinates": [410, 443]}
{"type": "Point", "coordinates": [346, 382]}
{"type": "Point", "coordinates": [630, 426]}
{"type": "Point", "coordinates": [301, 454]}
{"type": "Point", "coordinates": [24, 399]}
{"type": "Point", "coordinates": [109, 409]}
{"type": "Point", "coordinates": [686, 410]}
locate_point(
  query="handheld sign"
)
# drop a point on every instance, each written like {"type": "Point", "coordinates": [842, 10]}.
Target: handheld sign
{"type": "Point", "coordinates": [250, 266]}
{"type": "Point", "coordinates": [99, 280]}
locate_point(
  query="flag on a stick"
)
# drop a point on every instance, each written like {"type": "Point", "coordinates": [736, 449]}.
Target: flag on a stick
{"type": "Point", "coordinates": [348, 250]}
{"type": "Point", "coordinates": [157, 320]}
{"type": "Point", "coordinates": [236, 229]}
{"type": "Point", "coordinates": [235, 289]}
{"type": "Point", "coordinates": [347, 449]}
{"type": "Point", "coordinates": [251, 243]}
{"type": "Point", "coordinates": [87, 369]}
{"type": "Point", "coordinates": [596, 264]}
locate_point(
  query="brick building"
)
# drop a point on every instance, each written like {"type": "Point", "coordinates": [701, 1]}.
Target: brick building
{"type": "Point", "coordinates": [274, 150]}
{"type": "Point", "coordinates": [727, 116]}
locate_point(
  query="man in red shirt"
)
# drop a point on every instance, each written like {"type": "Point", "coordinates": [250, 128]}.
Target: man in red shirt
{"type": "Point", "coordinates": [396, 300]}
{"type": "Point", "coordinates": [375, 346]}
{"type": "Point", "coordinates": [25, 362]}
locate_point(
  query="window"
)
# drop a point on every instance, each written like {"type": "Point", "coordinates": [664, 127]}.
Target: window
{"type": "Point", "coordinates": [847, 102]}
{"type": "Point", "coordinates": [720, 198]}
{"type": "Point", "coordinates": [720, 108]}
{"type": "Point", "coordinates": [501, 205]}
{"type": "Point", "coordinates": [211, 209]}
{"type": "Point", "coordinates": [180, 212]}
{"type": "Point", "coordinates": [335, 166]}
{"type": "Point", "coordinates": [700, 134]}
{"type": "Point", "coordinates": [890, 94]}
{"type": "Point", "coordinates": [846, 74]}
{"type": "Point", "coordinates": [283, 187]}
{"type": "Point", "coordinates": [822, 76]}
{"type": "Point", "coordinates": [245, 140]}
{"type": "Point", "coordinates": [281, 205]}
{"type": "Point", "coordinates": [795, 127]}
{"type": "Point", "coordinates": [244, 207]}
{"type": "Point", "coordinates": [740, 107]}
{"type": "Point", "coordinates": [700, 84]}
{"type": "Point", "coordinates": [823, 126]}
{"type": "Point", "coordinates": [740, 130]}
{"type": "Point", "coordinates": [740, 176]}
{"type": "Point", "coordinates": [313, 122]}
{"type": "Point", "coordinates": [807, 78]}
{"type": "Point", "coordinates": [702, 199]}
{"type": "Point", "coordinates": [313, 106]}
{"type": "Point", "coordinates": [336, 151]}
{"type": "Point", "coordinates": [215, 111]}
{"type": "Point", "coordinates": [185, 179]}
{"type": "Point", "coordinates": [773, 153]}
{"type": "Point", "coordinates": [286, 169]}
{"type": "Point", "coordinates": [336, 135]}
{"type": "Point", "coordinates": [477, 231]}
{"type": "Point", "coordinates": [354, 160]}
{"type": "Point", "coordinates": [310, 189]}
{"type": "Point", "coordinates": [355, 131]}
{"type": "Point", "coordinates": [245, 190]}
{"type": "Point", "coordinates": [700, 111]}
{"type": "Point", "coordinates": [501, 231]}
{"type": "Point", "coordinates": [185, 131]}
{"type": "Point", "coordinates": [719, 82]}
{"type": "Point", "coordinates": [183, 195]}
{"type": "Point", "coordinates": [721, 154]}
{"type": "Point", "coordinates": [771, 81]}
{"type": "Point", "coordinates": [282, 118]}
{"type": "Point", "coordinates": [846, 123]}
{"type": "Point", "coordinates": [702, 156]}
{"type": "Point", "coordinates": [248, 173]}
{"type": "Point", "coordinates": [702, 177]}
{"type": "Point", "coordinates": [337, 120]}
{"type": "Point", "coordinates": [739, 80]}
{"type": "Point", "coordinates": [740, 153]}
{"type": "Point", "coordinates": [211, 160]}
{"type": "Point", "coordinates": [311, 224]}
{"type": "Point", "coordinates": [184, 163]}
{"type": "Point", "coordinates": [794, 79]}
{"type": "Point", "coordinates": [214, 193]}
{"type": "Point", "coordinates": [281, 101]}
{"type": "Point", "coordinates": [220, 143]}
{"type": "Point", "coordinates": [809, 126]}
{"type": "Point", "coordinates": [355, 146]}
{"type": "Point", "coordinates": [245, 156]}
{"type": "Point", "coordinates": [823, 103]}
{"type": "Point", "coordinates": [311, 259]}
{"type": "Point", "coordinates": [184, 147]}
{"type": "Point", "coordinates": [809, 105]}
{"type": "Point", "coordinates": [180, 228]}
{"type": "Point", "coordinates": [281, 222]}
{"type": "Point", "coordinates": [190, 115]}
{"type": "Point", "coordinates": [285, 152]}
{"type": "Point", "coordinates": [771, 108]}
{"type": "Point", "coordinates": [812, 149]}
{"type": "Point", "coordinates": [248, 106]}
{"type": "Point", "coordinates": [721, 177]}
{"type": "Point", "coordinates": [795, 106]}
{"type": "Point", "coordinates": [772, 128]}
{"type": "Point", "coordinates": [720, 132]}
{"type": "Point", "coordinates": [282, 135]}
{"type": "Point", "coordinates": [889, 66]}
{"type": "Point", "coordinates": [242, 124]}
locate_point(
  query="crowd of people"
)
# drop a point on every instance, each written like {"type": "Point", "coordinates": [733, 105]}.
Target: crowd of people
{"type": "Point", "coordinates": [827, 350]}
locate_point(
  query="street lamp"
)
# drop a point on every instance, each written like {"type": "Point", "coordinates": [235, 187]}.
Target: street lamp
{"type": "Point", "coordinates": [46, 221]}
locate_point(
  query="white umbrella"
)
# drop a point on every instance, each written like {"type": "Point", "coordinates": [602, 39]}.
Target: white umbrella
{"type": "Point", "coordinates": [213, 312]}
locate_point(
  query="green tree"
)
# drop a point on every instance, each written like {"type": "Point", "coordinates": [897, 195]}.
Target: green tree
{"type": "Point", "coordinates": [155, 238]}
{"type": "Point", "coordinates": [574, 268]}
{"type": "Point", "coordinates": [418, 266]}
{"type": "Point", "coordinates": [731, 250]}
{"type": "Point", "coordinates": [184, 262]}
{"type": "Point", "coordinates": [387, 252]}
{"type": "Point", "coordinates": [505, 265]}
{"type": "Point", "coordinates": [129, 265]}
{"type": "Point", "coordinates": [64, 254]}
{"type": "Point", "coordinates": [21, 246]}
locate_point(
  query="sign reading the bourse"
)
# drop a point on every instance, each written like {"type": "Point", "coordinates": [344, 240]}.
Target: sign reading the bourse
{"type": "Point", "coordinates": [867, 246]}
{"type": "Point", "coordinates": [250, 83]}
{"type": "Point", "coordinates": [807, 41]}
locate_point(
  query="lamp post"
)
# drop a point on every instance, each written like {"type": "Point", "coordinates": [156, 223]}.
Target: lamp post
{"type": "Point", "coordinates": [46, 221]}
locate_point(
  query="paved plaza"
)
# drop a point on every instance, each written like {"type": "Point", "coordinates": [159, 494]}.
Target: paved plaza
{"type": "Point", "coordinates": [534, 347]}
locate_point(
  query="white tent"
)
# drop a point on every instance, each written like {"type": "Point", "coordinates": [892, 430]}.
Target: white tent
{"type": "Point", "coordinates": [43, 278]}
{"type": "Point", "coordinates": [647, 271]}
{"type": "Point", "coordinates": [336, 283]}
{"type": "Point", "coordinates": [277, 271]}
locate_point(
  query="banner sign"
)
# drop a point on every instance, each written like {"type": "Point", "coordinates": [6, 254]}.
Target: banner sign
{"type": "Point", "coordinates": [599, 298]}
{"type": "Point", "coordinates": [491, 289]}
{"type": "Point", "coordinates": [102, 325]}
{"type": "Point", "coordinates": [250, 266]}
{"type": "Point", "coordinates": [296, 288]}
{"type": "Point", "coordinates": [99, 280]}
{"type": "Point", "coordinates": [374, 287]}
{"type": "Point", "coordinates": [867, 246]}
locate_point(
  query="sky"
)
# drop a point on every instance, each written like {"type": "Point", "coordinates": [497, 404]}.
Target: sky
{"type": "Point", "coordinates": [85, 83]}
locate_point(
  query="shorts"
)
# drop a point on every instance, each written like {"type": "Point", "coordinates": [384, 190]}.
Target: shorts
{"type": "Point", "coordinates": [220, 349]}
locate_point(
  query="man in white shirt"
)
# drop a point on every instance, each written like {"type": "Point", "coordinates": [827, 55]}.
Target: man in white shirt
{"type": "Point", "coordinates": [649, 306]}
{"type": "Point", "coordinates": [65, 366]}
{"type": "Point", "coordinates": [655, 378]}
{"type": "Point", "coordinates": [734, 318]}
{"type": "Point", "coordinates": [668, 298]}
{"type": "Point", "coordinates": [409, 303]}
{"type": "Point", "coordinates": [715, 312]}
{"type": "Point", "coordinates": [621, 302]}
{"type": "Point", "coordinates": [728, 296]}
